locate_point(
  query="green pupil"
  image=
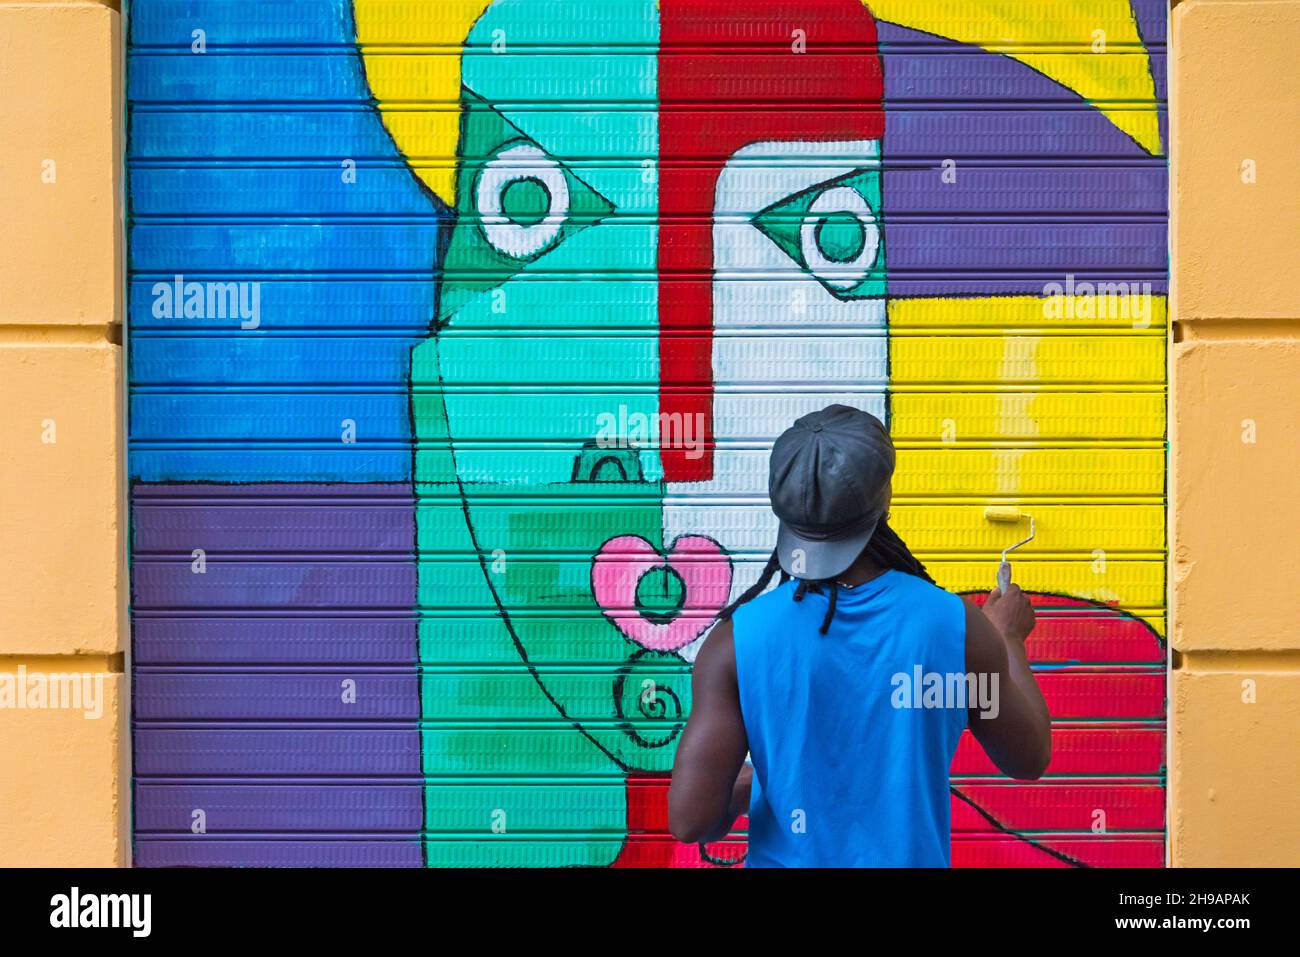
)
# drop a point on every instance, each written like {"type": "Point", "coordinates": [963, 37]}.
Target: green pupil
{"type": "Point", "coordinates": [525, 201]}
{"type": "Point", "coordinates": [840, 237]}
{"type": "Point", "coordinates": [660, 594]}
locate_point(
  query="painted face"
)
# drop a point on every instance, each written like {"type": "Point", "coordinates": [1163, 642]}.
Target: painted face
{"type": "Point", "coordinates": [634, 257]}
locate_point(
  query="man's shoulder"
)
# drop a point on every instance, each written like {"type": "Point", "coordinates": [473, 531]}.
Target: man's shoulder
{"type": "Point", "coordinates": [756, 609]}
{"type": "Point", "coordinates": [922, 590]}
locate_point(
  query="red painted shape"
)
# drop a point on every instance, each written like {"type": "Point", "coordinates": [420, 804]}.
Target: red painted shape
{"type": "Point", "coordinates": [1032, 819]}
{"type": "Point", "coordinates": [976, 842]}
{"type": "Point", "coordinates": [1103, 694]}
{"type": "Point", "coordinates": [1144, 851]}
{"type": "Point", "coordinates": [1118, 749]}
{"type": "Point", "coordinates": [1076, 630]}
{"type": "Point", "coordinates": [708, 58]}
{"type": "Point", "coordinates": [1058, 806]}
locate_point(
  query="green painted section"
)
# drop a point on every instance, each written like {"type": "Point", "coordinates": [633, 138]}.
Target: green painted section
{"type": "Point", "coordinates": [570, 689]}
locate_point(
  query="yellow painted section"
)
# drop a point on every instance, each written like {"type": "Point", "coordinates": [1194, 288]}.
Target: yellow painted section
{"type": "Point", "coordinates": [1070, 406]}
{"type": "Point", "coordinates": [1236, 492]}
{"type": "Point", "coordinates": [1030, 472]}
{"type": "Point", "coordinates": [1232, 773]}
{"type": "Point", "coordinates": [1235, 696]}
{"type": "Point", "coordinates": [64, 771]}
{"type": "Point", "coordinates": [1073, 528]}
{"type": "Point", "coordinates": [445, 24]}
{"type": "Point", "coordinates": [1236, 209]}
{"type": "Point", "coordinates": [60, 445]}
{"type": "Point", "coordinates": [1045, 416]}
{"type": "Point", "coordinates": [58, 130]}
{"type": "Point", "coordinates": [1073, 362]}
{"type": "Point", "coordinates": [1100, 67]}
{"type": "Point", "coordinates": [1136, 586]}
{"type": "Point", "coordinates": [1143, 314]}
{"type": "Point", "coordinates": [64, 780]}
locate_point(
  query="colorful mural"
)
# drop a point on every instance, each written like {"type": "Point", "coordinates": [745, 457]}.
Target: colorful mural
{"type": "Point", "coordinates": [460, 331]}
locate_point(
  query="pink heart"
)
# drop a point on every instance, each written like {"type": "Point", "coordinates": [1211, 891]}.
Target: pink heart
{"type": "Point", "coordinates": [622, 562]}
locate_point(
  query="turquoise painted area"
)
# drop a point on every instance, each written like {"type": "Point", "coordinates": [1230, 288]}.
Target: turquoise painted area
{"type": "Point", "coordinates": [601, 720]}
{"type": "Point", "coordinates": [582, 130]}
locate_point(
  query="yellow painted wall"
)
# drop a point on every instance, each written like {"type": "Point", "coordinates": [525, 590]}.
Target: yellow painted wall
{"type": "Point", "coordinates": [63, 770]}
{"type": "Point", "coordinates": [1235, 694]}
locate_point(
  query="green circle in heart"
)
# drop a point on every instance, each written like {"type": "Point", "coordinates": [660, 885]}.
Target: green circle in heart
{"type": "Point", "coordinates": [660, 594]}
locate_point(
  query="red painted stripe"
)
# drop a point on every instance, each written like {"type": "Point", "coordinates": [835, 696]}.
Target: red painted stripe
{"type": "Point", "coordinates": [801, 81]}
{"type": "Point", "coordinates": [1009, 851]}
{"type": "Point", "coordinates": [661, 852]}
{"type": "Point", "coordinates": [1102, 694]}
{"type": "Point", "coordinates": [1074, 629]}
{"type": "Point", "coordinates": [1047, 806]}
{"type": "Point", "coordinates": [1059, 807]}
{"type": "Point", "coordinates": [1118, 750]}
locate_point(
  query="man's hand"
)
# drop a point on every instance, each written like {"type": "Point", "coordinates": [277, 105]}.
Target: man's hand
{"type": "Point", "coordinates": [1011, 613]}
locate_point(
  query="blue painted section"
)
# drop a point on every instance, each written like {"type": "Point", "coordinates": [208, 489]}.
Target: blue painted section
{"type": "Point", "coordinates": [225, 415]}
{"type": "Point", "coordinates": [265, 361]}
{"type": "Point", "coordinates": [230, 22]}
{"type": "Point", "coordinates": [267, 190]}
{"type": "Point", "coordinates": [199, 211]}
{"type": "Point", "coordinates": [398, 306]}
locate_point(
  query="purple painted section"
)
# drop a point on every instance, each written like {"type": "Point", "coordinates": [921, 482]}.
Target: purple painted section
{"type": "Point", "coordinates": [267, 640]}
{"type": "Point", "coordinates": [1034, 191]}
{"type": "Point", "coordinates": [257, 519]}
{"type": "Point", "coordinates": [274, 553]}
{"type": "Point", "coordinates": [1041, 133]}
{"type": "Point", "coordinates": [374, 525]}
{"type": "Point", "coordinates": [276, 696]}
{"type": "Point", "coordinates": [307, 752]}
{"type": "Point", "coordinates": [979, 119]}
{"type": "Point", "coordinates": [1153, 24]}
{"type": "Point", "coordinates": [342, 584]}
{"type": "Point", "coordinates": [261, 519]}
{"type": "Point", "coordinates": [209, 851]}
{"type": "Point", "coordinates": [313, 808]}
{"type": "Point", "coordinates": [954, 73]}
{"type": "Point", "coordinates": [902, 288]}
{"type": "Point", "coordinates": [1056, 248]}
{"type": "Point", "coordinates": [322, 491]}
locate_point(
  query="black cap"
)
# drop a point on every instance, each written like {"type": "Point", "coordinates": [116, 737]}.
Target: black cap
{"type": "Point", "coordinates": [828, 480]}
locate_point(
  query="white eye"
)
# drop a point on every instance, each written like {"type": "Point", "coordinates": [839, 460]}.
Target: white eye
{"type": "Point", "coordinates": [841, 262]}
{"type": "Point", "coordinates": [522, 167]}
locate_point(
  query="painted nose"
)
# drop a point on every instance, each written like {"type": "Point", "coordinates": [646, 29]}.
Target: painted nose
{"type": "Point", "coordinates": [630, 578]}
{"type": "Point", "coordinates": [658, 599]}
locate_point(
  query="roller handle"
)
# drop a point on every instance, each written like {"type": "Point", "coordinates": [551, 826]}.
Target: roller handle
{"type": "Point", "coordinates": [1004, 577]}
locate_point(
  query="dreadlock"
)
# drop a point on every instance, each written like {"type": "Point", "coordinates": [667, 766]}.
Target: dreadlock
{"type": "Point", "coordinates": [886, 549]}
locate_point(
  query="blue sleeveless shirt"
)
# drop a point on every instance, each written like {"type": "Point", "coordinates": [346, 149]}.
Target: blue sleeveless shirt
{"type": "Point", "coordinates": [850, 757]}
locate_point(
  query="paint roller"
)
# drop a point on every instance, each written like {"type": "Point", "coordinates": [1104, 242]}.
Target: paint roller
{"type": "Point", "coordinates": [1008, 515]}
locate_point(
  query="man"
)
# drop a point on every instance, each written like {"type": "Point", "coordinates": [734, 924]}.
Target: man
{"type": "Point", "coordinates": [849, 763]}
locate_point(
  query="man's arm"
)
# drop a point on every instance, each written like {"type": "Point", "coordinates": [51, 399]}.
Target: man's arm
{"type": "Point", "coordinates": [709, 790]}
{"type": "Point", "coordinates": [1019, 739]}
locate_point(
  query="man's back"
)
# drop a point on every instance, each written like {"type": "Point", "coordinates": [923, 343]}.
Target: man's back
{"type": "Point", "coordinates": [852, 732]}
